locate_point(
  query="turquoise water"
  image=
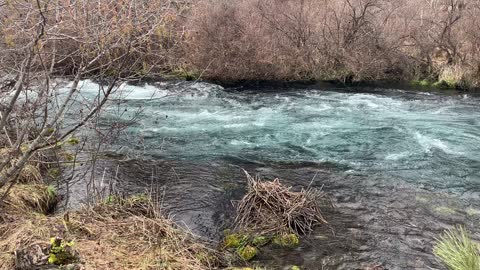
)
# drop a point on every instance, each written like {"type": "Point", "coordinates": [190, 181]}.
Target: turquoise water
{"type": "Point", "coordinates": [426, 138]}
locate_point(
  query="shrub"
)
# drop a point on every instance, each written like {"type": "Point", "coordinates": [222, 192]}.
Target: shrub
{"type": "Point", "coordinates": [457, 250]}
{"type": "Point", "coordinates": [341, 40]}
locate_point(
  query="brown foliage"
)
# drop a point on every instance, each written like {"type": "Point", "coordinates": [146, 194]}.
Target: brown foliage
{"type": "Point", "coordinates": [340, 39]}
{"type": "Point", "coordinates": [75, 32]}
{"type": "Point", "coordinates": [254, 39]}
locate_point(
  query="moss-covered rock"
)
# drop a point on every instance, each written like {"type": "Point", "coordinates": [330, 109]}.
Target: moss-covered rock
{"type": "Point", "coordinates": [62, 252]}
{"type": "Point", "coordinates": [286, 240]}
{"type": "Point", "coordinates": [247, 252]}
{"type": "Point", "coordinates": [235, 240]}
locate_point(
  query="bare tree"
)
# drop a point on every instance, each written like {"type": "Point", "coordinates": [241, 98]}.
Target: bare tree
{"type": "Point", "coordinates": [109, 41]}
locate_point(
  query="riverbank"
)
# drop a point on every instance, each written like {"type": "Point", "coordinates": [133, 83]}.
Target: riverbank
{"type": "Point", "coordinates": [115, 233]}
{"type": "Point", "coordinates": [374, 223]}
{"type": "Point", "coordinates": [357, 86]}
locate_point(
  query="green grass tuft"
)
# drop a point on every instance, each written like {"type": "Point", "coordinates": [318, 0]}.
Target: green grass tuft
{"type": "Point", "coordinates": [457, 250]}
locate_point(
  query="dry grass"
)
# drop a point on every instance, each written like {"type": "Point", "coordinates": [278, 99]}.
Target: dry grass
{"type": "Point", "coordinates": [270, 207]}
{"type": "Point", "coordinates": [26, 199]}
{"type": "Point", "coordinates": [125, 234]}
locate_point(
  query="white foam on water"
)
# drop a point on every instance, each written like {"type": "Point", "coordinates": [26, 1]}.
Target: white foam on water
{"type": "Point", "coordinates": [397, 156]}
{"type": "Point", "coordinates": [316, 108]}
{"type": "Point", "coordinates": [237, 125]}
{"type": "Point", "coordinates": [429, 143]}
{"type": "Point", "coordinates": [139, 93]}
{"type": "Point", "coordinates": [240, 142]}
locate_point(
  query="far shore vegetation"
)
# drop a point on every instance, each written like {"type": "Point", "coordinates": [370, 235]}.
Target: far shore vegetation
{"type": "Point", "coordinates": [431, 44]}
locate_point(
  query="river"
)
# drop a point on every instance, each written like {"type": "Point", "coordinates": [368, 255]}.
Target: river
{"type": "Point", "coordinates": [400, 166]}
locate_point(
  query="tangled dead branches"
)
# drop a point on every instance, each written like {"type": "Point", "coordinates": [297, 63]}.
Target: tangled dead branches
{"type": "Point", "coordinates": [270, 207]}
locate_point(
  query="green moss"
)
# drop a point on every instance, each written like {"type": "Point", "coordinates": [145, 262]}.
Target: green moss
{"type": "Point", "coordinates": [445, 84]}
{"type": "Point", "coordinates": [61, 252]}
{"type": "Point", "coordinates": [421, 83]}
{"type": "Point", "coordinates": [69, 156]}
{"type": "Point", "coordinates": [52, 259]}
{"type": "Point", "coordinates": [111, 199]}
{"type": "Point", "coordinates": [49, 131]}
{"type": "Point", "coordinates": [294, 267]}
{"type": "Point", "coordinates": [247, 252]}
{"type": "Point", "coordinates": [235, 240]}
{"type": "Point", "coordinates": [73, 141]}
{"type": "Point", "coordinates": [186, 74]}
{"type": "Point", "coordinates": [138, 198]}
{"type": "Point", "coordinates": [54, 172]}
{"type": "Point", "coordinates": [260, 241]}
{"type": "Point", "coordinates": [286, 240]}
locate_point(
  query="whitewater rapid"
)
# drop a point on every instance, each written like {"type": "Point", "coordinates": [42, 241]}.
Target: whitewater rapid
{"type": "Point", "coordinates": [419, 137]}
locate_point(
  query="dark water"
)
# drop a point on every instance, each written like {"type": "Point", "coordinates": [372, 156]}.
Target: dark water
{"type": "Point", "coordinates": [400, 166]}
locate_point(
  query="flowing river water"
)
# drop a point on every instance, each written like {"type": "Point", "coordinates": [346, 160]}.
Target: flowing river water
{"type": "Point", "coordinates": [399, 166]}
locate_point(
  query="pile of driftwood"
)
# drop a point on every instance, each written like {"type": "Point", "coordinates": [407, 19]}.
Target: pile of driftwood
{"type": "Point", "coordinates": [270, 207]}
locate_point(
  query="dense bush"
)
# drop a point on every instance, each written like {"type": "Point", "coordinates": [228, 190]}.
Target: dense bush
{"type": "Point", "coordinates": [256, 39]}
{"type": "Point", "coordinates": [340, 39]}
